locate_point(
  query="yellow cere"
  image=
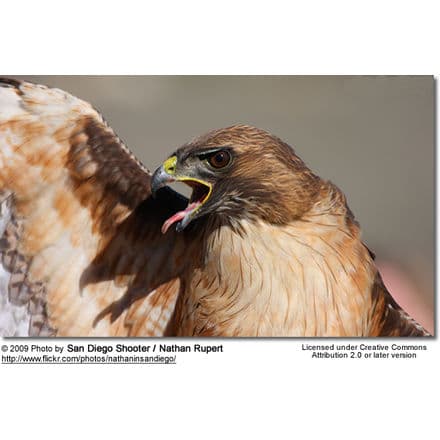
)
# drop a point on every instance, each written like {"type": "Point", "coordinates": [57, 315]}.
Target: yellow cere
{"type": "Point", "coordinates": [169, 165]}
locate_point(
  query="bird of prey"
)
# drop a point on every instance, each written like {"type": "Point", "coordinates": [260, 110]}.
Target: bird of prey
{"type": "Point", "coordinates": [92, 244]}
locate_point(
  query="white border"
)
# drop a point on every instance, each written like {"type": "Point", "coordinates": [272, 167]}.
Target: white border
{"type": "Point", "coordinates": [257, 389]}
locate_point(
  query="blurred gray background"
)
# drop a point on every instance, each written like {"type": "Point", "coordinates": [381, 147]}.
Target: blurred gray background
{"type": "Point", "coordinates": [372, 136]}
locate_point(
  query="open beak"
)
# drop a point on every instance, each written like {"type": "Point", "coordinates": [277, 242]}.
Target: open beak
{"type": "Point", "coordinates": [163, 175]}
{"type": "Point", "coordinates": [166, 174]}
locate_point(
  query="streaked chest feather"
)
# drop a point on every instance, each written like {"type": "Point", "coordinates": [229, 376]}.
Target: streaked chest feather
{"type": "Point", "coordinates": [295, 280]}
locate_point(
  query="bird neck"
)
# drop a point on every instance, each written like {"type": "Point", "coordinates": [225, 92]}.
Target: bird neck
{"type": "Point", "coordinates": [310, 277]}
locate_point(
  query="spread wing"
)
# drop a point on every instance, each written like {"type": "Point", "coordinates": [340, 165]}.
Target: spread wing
{"type": "Point", "coordinates": [81, 253]}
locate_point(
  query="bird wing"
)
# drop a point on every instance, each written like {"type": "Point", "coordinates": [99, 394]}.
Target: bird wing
{"type": "Point", "coordinates": [81, 253]}
{"type": "Point", "coordinates": [388, 318]}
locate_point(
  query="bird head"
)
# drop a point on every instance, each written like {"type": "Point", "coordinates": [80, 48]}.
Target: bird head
{"type": "Point", "coordinates": [236, 172]}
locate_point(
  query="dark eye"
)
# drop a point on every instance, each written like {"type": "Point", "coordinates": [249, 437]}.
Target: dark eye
{"type": "Point", "coordinates": [220, 159]}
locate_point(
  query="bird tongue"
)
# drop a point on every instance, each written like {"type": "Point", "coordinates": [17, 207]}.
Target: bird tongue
{"type": "Point", "coordinates": [178, 216]}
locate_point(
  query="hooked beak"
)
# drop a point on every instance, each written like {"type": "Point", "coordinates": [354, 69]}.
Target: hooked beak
{"type": "Point", "coordinates": [200, 194]}
{"type": "Point", "coordinates": [163, 175]}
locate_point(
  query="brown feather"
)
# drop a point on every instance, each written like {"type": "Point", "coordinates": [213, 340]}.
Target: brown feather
{"type": "Point", "coordinates": [283, 247]}
{"type": "Point", "coordinates": [80, 244]}
{"type": "Point", "coordinates": [275, 251]}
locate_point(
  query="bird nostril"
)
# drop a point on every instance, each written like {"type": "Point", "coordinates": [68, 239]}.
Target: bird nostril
{"type": "Point", "coordinates": [169, 165]}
